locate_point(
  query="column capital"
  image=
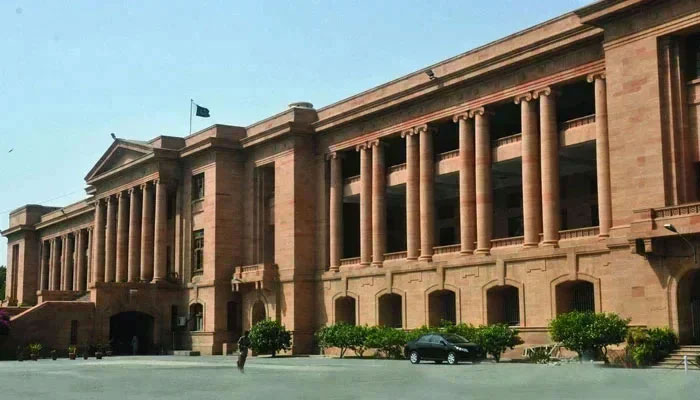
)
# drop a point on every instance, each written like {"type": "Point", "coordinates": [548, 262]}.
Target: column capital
{"type": "Point", "coordinates": [120, 194]}
{"type": "Point", "coordinates": [408, 132]}
{"type": "Point", "coordinates": [595, 76]}
{"type": "Point", "coordinates": [362, 146]}
{"type": "Point", "coordinates": [425, 128]}
{"type": "Point", "coordinates": [334, 155]}
{"type": "Point", "coordinates": [461, 117]}
{"type": "Point", "coordinates": [376, 143]}
{"type": "Point", "coordinates": [523, 97]}
{"type": "Point", "coordinates": [546, 91]}
{"type": "Point", "coordinates": [144, 185]}
{"type": "Point", "coordinates": [131, 190]}
{"type": "Point", "coordinates": [481, 111]}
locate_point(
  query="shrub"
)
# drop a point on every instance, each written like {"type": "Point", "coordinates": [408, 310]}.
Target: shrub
{"type": "Point", "coordinates": [269, 337]}
{"type": "Point", "coordinates": [341, 335]}
{"type": "Point", "coordinates": [648, 346]}
{"type": "Point", "coordinates": [35, 348]}
{"type": "Point", "coordinates": [587, 332]}
{"type": "Point", "coordinates": [539, 355]}
{"type": "Point", "coordinates": [359, 334]}
{"type": "Point", "coordinates": [467, 331]}
{"type": "Point", "coordinates": [418, 332]}
{"type": "Point", "coordinates": [495, 339]}
{"type": "Point", "coordinates": [72, 349]}
{"type": "Point", "coordinates": [389, 342]}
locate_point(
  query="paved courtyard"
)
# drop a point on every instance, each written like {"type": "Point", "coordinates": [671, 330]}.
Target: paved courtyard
{"type": "Point", "coordinates": [321, 378]}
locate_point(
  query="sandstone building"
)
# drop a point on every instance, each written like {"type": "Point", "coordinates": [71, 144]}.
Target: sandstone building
{"type": "Point", "coordinates": [522, 179]}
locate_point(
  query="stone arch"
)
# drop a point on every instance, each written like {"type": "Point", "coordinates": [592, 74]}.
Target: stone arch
{"type": "Point", "coordinates": [442, 290]}
{"type": "Point", "coordinates": [350, 308]}
{"type": "Point", "coordinates": [119, 307]}
{"type": "Point", "coordinates": [563, 279]}
{"type": "Point", "coordinates": [495, 285]}
{"type": "Point", "coordinates": [379, 300]}
{"type": "Point", "coordinates": [196, 316]}
{"type": "Point", "coordinates": [684, 301]}
{"type": "Point", "coordinates": [258, 312]}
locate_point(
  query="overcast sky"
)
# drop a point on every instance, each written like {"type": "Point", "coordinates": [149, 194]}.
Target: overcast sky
{"type": "Point", "coordinates": [73, 72]}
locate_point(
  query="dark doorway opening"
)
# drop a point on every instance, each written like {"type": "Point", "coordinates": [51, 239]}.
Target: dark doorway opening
{"type": "Point", "coordinates": [124, 326]}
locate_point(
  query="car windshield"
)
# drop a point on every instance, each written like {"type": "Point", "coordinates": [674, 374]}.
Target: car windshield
{"type": "Point", "coordinates": [455, 339]}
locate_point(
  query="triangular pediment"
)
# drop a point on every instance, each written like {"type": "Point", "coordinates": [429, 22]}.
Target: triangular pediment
{"type": "Point", "coordinates": [121, 152]}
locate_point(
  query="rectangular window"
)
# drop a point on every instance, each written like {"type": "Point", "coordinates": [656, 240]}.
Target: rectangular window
{"type": "Point", "coordinates": [515, 226]}
{"type": "Point", "coordinates": [198, 186]}
{"type": "Point", "coordinates": [198, 251]}
{"type": "Point", "coordinates": [514, 200]}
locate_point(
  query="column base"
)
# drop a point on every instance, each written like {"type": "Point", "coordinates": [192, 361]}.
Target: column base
{"type": "Point", "coordinates": [425, 258]}
{"type": "Point", "coordinates": [603, 236]}
{"type": "Point", "coordinates": [550, 243]}
{"type": "Point", "coordinates": [411, 258]}
{"type": "Point", "coordinates": [365, 264]}
{"type": "Point", "coordinates": [378, 264]}
{"type": "Point", "coordinates": [482, 252]}
{"type": "Point", "coordinates": [530, 245]}
{"type": "Point", "coordinates": [466, 252]}
{"type": "Point", "coordinates": [334, 268]}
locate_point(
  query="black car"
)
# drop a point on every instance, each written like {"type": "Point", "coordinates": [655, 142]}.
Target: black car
{"type": "Point", "coordinates": [442, 347]}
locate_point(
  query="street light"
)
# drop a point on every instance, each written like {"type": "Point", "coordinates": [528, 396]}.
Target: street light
{"type": "Point", "coordinates": [670, 227]}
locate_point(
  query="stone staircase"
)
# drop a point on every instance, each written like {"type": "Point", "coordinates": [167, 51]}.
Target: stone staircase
{"type": "Point", "coordinates": [675, 359]}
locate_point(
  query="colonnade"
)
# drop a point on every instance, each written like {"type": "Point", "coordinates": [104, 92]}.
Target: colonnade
{"type": "Point", "coordinates": [64, 261]}
{"type": "Point", "coordinates": [130, 242]}
{"type": "Point", "coordinates": [540, 182]}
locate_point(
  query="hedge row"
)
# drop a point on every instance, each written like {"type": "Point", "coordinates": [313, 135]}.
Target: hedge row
{"type": "Point", "coordinates": [389, 342]}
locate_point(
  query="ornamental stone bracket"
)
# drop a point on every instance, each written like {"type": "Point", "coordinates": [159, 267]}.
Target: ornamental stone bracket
{"type": "Point", "coordinates": [263, 276]}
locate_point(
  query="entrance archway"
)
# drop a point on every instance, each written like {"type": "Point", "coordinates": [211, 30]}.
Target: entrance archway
{"type": "Point", "coordinates": [124, 326]}
{"type": "Point", "coordinates": [575, 296]}
{"type": "Point", "coordinates": [503, 305]}
{"type": "Point", "coordinates": [688, 299]}
{"type": "Point", "coordinates": [258, 312]}
{"type": "Point", "coordinates": [441, 307]}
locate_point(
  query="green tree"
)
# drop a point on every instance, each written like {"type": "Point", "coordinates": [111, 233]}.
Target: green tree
{"type": "Point", "coordinates": [587, 332]}
{"type": "Point", "coordinates": [495, 339]}
{"type": "Point", "coordinates": [389, 342]}
{"type": "Point", "coordinates": [269, 337]}
{"type": "Point", "coordinates": [341, 335]}
{"type": "Point", "coordinates": [3, 277]}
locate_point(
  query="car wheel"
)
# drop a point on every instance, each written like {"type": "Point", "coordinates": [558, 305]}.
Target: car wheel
{"type": "Point", "coordinates": [451, 358]}
{"type": "Point", "coordinates": [414, 357]}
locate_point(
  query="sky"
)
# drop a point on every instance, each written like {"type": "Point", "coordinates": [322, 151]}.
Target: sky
{"type": "Point", "coordinates": [73, 72]}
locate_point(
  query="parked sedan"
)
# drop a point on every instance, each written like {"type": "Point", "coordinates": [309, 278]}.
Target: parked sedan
{"type": "Point", "coordinates": [442, 347]}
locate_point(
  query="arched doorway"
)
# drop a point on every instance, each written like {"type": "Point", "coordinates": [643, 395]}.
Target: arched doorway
{"type": "Point", "coordinates": [575, 296]}
{"type": "Point", "coordinates": [390, 310]}
{"type": "Point", "coordinates": [503, 305]}
{"type": "Point", "coordinates": [345, 310]}
{"type": "Point", "coordinates": [124, 326]}
{"type": "Point", "coordinates": [688, 298]}
{"type": "Point", "coordinates": [258, 312]}
{"type": "Point", "coordinates": [441, 307]}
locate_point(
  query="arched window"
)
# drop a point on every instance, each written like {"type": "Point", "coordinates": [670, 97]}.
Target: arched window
{"type": "Point", "coordinates": [503, 305]}
{"type": "Point", "coordinates": [390, 310]}
{"type": "Point", "coordinates": [258, 312]}
{"type": "Point", "coordinates": [575, 296]}
{"type": "Point", "coordinates": [441, 307]}
{"type": "Point", "coordinates": [196, 317]}
{"type": "Point", "coordinates": [688, 298]}
{"type": "Point", "coordinates": [345, 310]}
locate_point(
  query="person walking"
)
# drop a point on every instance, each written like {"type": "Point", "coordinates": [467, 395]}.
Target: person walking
{"type": "Point", "coordinates": [243, 344]}
{"type": "Point", "coordinates": [134, 345]}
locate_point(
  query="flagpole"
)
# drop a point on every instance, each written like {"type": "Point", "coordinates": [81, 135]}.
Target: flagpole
{"type": "Point", "coordinates": [191, 102]}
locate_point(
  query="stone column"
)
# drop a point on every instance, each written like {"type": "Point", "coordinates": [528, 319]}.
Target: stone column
{"type": "Point", "coordinates": [378, 203]}
{"type": "Point", "coordinates": [365, 204]}
{"type": "Point", "coordinates": [81, 260]}
{"type": "Point", "coordinates": [122, 237]}
{"type": "Point", "coordinates": [532, 204]}
{"type": "Point", "coordinates": [549, 146]}
{"type": "Point", "coordinates": [98, 243]}
{"type": "Point", "coordinates": [89, 261]}
{"type": "Point", "coordinates": [467, 185]}
{"type": "Point", "coordinates": [53, 263]}
{"type": "Point", "coordinates": [111, 240]}
{"type": "Point", "coordinates": [68, 269]}
{"type": "Point", "coordinates": [160, 233]}
{"type": "Point", "coordinates": [412, 195]}
{"type": "Point", "coordinates": [64, 256]}
{"type": "Point", "coordinates": [427, 192]}
{"type": "Point", "coordinates": [147, 233]}
{"type": "Point", "coordinates": [602, 154]}
{"type": "Point", "coordinates": [134, 235]}
{"type": "Point", "coordinates": [336, 211]}
{"type": "Point", "coordinates": [44, 272]}
{"type": "Point", "coordinates": [484, 193]}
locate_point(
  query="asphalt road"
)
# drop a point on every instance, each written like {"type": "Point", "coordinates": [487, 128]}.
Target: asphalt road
{"type": "Point", "coordinates": [167, 377]}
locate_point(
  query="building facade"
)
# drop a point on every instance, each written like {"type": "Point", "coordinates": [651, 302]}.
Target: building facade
{"type": "Point", "coordinates": [526, 178]}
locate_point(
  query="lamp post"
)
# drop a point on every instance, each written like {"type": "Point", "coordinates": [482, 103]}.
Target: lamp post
{"type": "Point", "coordinates": [673, 229]}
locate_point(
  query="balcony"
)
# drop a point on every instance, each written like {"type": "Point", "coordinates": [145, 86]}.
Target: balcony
{"type": "Point", "coordinates": [263, 276]}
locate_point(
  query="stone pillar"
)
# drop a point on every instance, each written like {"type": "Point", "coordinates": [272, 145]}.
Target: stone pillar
{"type": "Point", "coordinates": [44, 272]}
{"type": "Point", "coordinates": [378, 203]}
{"type": "Point", "coordinates": [160, 233]}
{"type": "Point", "coordinates": [134, 235]}
{"type": "Point", "coordinates": [68, 269]}
{"type": "Point", "coordinates": [530, 145]}
{"type": "Point", "coordinates": [147, 222]}
{"type": "Point", "coordinates": [365, 204]}
{"type": "Point", "coordinates": [602, 154]}
{"type": "Point", "coordinates": [122, 237]}
{"type": "Point", "coordinates": [427, 192]}
{"type": "Point", "coordinates": [412, 195]}
{"type": "Point", "coordinates": [111, 241]}
{"type": "Point", "coordinates": [53, 265]}
{"type": "Point", "coordinates": [61, 284]}
{"type": "Point", "coordinates": [484, 193]}
{"type": "Point", "coordinates": [81, 260]}
{"type": "Point", "coordinates": [467, 185]}
{"type": "Point", "coordinates": [549, 146]}
{"type": "Point", "coordinates": [336, 211]}
{"type": "Point", "coordinates": [98, 243]}
{"type": "Point", "coordinates": [89, 254]}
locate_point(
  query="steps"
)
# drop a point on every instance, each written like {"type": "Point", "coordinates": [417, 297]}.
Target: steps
{"type": "Point", "coordinates": [675, 359]}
